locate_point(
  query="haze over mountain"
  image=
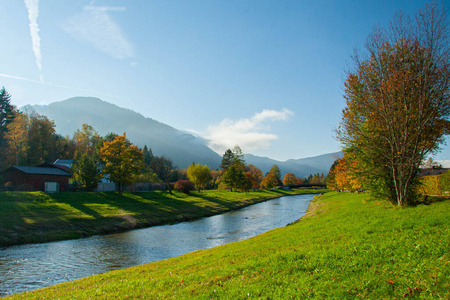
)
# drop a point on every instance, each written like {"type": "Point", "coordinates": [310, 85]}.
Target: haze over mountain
{"type": "Point", "coordinates": [300, 167]}
{"type": "Point", "coordinates": [183, 148]}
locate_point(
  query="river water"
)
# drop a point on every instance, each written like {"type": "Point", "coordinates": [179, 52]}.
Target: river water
{"type": "Point", "coordinates": [28, 267]}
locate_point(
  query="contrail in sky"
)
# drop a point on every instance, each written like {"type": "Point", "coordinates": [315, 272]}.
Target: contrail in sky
{"type": "Point", "coordinates": [33, 13]}
{"type": "Point", "coordinates": [55, 85]}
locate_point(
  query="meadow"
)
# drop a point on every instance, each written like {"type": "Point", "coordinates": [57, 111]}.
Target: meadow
{"type": "Point", "coordinates": [346, 247]}
{"type": "Point", "coordinates": [34, 217]}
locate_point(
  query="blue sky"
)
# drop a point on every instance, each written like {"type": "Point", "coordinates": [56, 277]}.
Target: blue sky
{"type": "Point", "coordinates": [266, 75]}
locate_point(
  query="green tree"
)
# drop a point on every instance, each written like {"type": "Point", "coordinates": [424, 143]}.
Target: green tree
{"type": "Point", "coordinates": [231, 157]}
{"type": "Point", "coordinates": [398, 103]}
{"type": "Point", "coordinates": [109, 137]}
{"type": "Point", "coordinates": [163, 167]}
{"type": "Point", "coordinates": [238, 156]}
{"type": "Point", "coordinates": [148, 156]}
{"type": "Point", "coordinates": [40, 140]}
{"type": "Point", "coordinates": [86, 170]}
{"type": "Point", "coordinates": [227, 159]}
{"type": "Point", "coordinates": [199, 175]}
{"type": "Point", "coordinates": [17, 140]}
{"type": "Point", "coordinates": [275, 170]}
{"type": "Point", "coordinates": [234, 177]}
{"type": "Point", "coordinates": [122, 159]}
{"type": "Point", "coordinates": [87, 140]}
{"type": "Point", "coordinates": [147, 174]}
{"type": "Point", "coordinates": [7, 114]}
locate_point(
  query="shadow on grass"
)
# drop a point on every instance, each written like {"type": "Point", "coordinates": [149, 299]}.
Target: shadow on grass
{"type": "Point", "coordinates": [40, 217]}
{"type": "Point", "coordinates": [142, 205]}
{"type": "Point", "coordinates": [427, 200]}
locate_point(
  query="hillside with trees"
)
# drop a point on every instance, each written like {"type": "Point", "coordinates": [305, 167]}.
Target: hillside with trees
{"type": "Point", "coordinates": [181, 147]}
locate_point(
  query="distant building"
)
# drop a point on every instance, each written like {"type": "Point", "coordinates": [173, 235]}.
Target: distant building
{"type": "Point", "coordinates": [431, 171]}
{"type": "Point", "coordinates": [35, 178]}
{"type": "Point", "coordinates": [64, 162]}
{"type": "Point", "coordinates": [66, 165]}
{"type": "Point", "coordinates": [65, 168]}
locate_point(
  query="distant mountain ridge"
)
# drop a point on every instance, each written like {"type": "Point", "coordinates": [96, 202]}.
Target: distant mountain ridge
{"type": "Point", "coordinates": [300, 167]}
{"type": "Point", "coordinates": [164, 140]}
{"type": "Point", "coordinates": [104, 117]}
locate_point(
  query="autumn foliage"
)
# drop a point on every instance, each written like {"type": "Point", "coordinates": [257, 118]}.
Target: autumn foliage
{"type": "Point", "coordinates": [398, 103]}
{"type": "Point", "coordinates": [345, 175]}
{"type": "Point", "coordinates": [122, 160]}
{"type": "Point", "coordinates": [184, 186]}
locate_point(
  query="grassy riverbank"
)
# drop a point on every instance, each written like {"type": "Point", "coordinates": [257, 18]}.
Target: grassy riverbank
{"type": "Point", "coordinates": [32, 217]}
{"type": "Point", "coordinates": [346, 247]}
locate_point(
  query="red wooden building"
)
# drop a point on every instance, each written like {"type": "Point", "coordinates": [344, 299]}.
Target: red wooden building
{"type": "Point", "coordinates": [35, 178]}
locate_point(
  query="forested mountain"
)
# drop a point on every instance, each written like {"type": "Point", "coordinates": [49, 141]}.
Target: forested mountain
{"type": "Point", "coordinates": [300, 167]}
{"type": "Point", "coordinates": [104, 117]}
{"type": "Point", "coordinates": [164, 140]}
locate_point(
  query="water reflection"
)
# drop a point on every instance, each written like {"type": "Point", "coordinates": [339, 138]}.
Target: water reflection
{"type": "Point", "coordinates": [28, 267]}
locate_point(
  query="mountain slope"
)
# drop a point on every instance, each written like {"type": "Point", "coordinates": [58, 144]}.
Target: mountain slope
{"type": "Point", "coordinates": [164, 140]}
{"type": "Point", "coordinates": [179, 146]}
{"type": "Point", "coordinates": [300, 167]}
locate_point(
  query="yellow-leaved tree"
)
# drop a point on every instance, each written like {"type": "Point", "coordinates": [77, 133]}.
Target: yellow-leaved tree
{"type": "Point", "coordinates": [123, 160]}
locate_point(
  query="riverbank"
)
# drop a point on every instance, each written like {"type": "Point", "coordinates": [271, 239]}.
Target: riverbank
{"type": "Point", "coordinates": [345, 247]}
{"type": "Point", "coordinates": [36, 217]}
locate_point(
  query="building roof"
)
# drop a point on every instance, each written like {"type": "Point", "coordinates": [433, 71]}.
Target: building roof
{"type": "Point", "coordinates": [431, 171]}
{"type": "Point", "coordinates": [64, 162]}
{"type": "Point", "coordinates": [41, 170]}
{"type": "Point", "coordinates": [49, 165]}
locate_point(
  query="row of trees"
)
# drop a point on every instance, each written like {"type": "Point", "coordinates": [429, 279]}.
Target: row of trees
{"type": "Point", "coordinates": [30, 139]}
{"type": "Point", "coordinates": [117, 158]}
{"type": "Point", "coordinates": [235, 174]}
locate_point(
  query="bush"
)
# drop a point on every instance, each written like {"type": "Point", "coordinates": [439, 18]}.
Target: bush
{"type": "Point", "coordinates": [184, 186]}
{"type": "Point", "coordinates": [435, 184]}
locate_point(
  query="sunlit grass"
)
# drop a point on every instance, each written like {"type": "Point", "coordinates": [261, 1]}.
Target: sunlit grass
{"type": "Point", "coordinates": [347, 247]}
{"type": "Point", "coordinates": [30, 217]}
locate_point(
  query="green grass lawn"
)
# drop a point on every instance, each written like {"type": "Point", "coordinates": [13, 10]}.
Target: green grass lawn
{"type": "Point", "coordinates": [346, 247]}
{"type": "Point", "coordinates": [31, 217]}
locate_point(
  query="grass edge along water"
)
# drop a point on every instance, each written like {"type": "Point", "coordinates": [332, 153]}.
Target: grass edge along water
{"type": "Point", "coordinates": [347, 246]}
{"type": "Point", "coordinates": [37, 217]}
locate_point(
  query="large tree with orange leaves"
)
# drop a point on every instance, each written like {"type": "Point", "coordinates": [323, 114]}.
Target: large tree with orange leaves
{"type": "Point", "coordinates": [398, 102]}
{"type": "Point", "coordinates": [122, 160]}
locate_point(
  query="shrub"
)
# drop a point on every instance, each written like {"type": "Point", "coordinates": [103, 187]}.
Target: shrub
{"type": "Point", "coordinates": [184, 186]}
{"type": "Point", "coordinates": [8, 184]}
{"type": "Point", "coordinates": [435, 184]}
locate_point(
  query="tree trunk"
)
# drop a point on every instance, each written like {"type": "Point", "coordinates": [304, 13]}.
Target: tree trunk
{"type": "Point", "coordinates": [120, 188]}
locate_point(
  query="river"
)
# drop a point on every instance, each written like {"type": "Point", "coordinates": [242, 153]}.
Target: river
{"type": "Point", "coordinates": [33, 266]}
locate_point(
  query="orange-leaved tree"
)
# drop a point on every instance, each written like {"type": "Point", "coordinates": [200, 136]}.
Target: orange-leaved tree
{"type": "Point", "coordinates": [123, 160]}
{"type": "Point", "coordinates": [289, 179]}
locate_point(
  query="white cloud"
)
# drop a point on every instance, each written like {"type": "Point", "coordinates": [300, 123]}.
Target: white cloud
{"type": "Point", "coordinates": [95, 26]}
{"type": "Point", "coordinates": [249, 133]}
{"type": "Point", "coordinates": [33, 13]}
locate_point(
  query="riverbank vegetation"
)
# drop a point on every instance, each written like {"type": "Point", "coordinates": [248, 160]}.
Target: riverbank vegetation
{"type": "Point", "coordinates": [90, 160]}
{"type": "Point", "coordinates": [345, 247]}
{"type": "Point", "coordinates": [32, 217]}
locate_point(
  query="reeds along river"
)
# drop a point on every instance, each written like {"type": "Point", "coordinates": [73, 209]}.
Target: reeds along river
{"type": "Point", "coordinates": [28, 267]}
